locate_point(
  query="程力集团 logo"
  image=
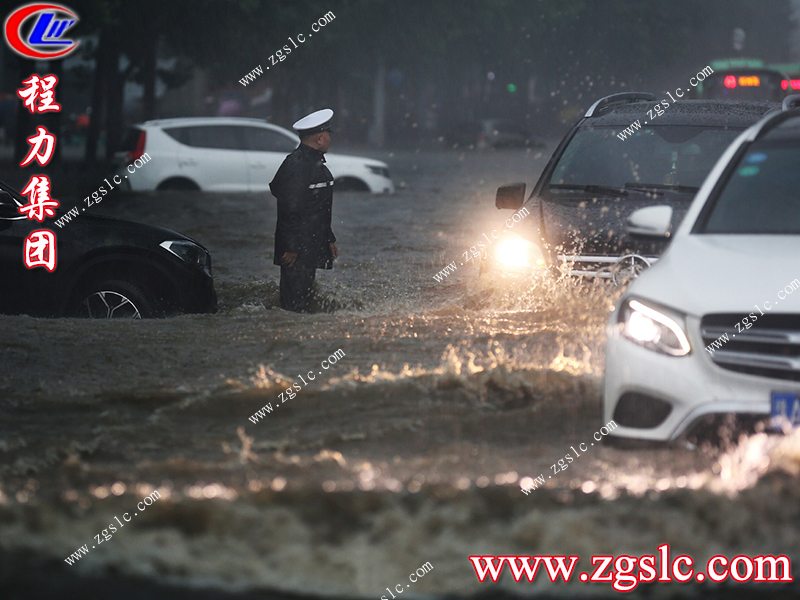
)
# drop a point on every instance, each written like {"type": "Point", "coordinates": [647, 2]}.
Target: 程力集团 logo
{"type": "Point", "coordinates": [37, 31]}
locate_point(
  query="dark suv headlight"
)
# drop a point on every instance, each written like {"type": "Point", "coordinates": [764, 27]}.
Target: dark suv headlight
{"type": "Point", "coordinates": [515, 251]}
{"type": "Point", "coordinates": [190, 253]}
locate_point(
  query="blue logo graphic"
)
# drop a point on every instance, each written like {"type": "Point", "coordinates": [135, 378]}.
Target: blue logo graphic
{"type": "Point", "coordinates": [45, 41]}
{"type": "Point", "coordinates": [48, 29]}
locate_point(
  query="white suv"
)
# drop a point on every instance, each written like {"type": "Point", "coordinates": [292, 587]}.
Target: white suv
{"type": "Point", "coordinates": [220, 154]}
{"type": "Point", "coordinates": [713, 329]}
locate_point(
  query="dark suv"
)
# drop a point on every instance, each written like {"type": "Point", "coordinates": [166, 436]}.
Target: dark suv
{"type": "Point", "coordinates": [626, 153]}
{"type": "Point", "coordinates": [105, 268]}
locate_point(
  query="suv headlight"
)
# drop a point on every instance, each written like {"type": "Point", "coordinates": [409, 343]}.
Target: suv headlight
{"type": "Point", "coordinates": [515, 251]}
{"type": "Point", "coordinates": [190, 253]}
{"type": "Point", "coordinates": [657, 329]}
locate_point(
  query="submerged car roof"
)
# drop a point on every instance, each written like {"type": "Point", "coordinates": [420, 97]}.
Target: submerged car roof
{"type": "Point", "coordinates": [700, 113]}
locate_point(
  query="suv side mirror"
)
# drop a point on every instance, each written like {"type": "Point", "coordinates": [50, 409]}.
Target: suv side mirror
{"type": "Point", "coordinates": [510, 196]}
{"type": "Point", "coordinates": [652, 221]}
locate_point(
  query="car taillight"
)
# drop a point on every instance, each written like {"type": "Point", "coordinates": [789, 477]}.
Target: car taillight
{"type": "Point", "coordinates": [137, 153]}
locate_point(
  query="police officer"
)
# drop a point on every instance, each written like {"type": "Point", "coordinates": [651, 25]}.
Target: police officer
{"type": "Point", "coordinates": [304, 241]}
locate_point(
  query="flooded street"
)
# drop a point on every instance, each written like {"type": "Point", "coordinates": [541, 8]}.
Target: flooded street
{"type": "Point", "coordinates": [410, 449]}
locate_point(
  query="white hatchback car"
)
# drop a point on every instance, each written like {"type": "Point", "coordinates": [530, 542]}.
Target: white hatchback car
{"type": "Point", "coordinates": [225, 154]}
{"type": "Point", "coordinates": [713, 329]}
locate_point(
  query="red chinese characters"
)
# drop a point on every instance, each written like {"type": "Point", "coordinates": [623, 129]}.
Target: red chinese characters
{"type": "Point", "coordinates": [39, 89]}
{"type": "Point", "coordinates": [40, 245]}
{"type": "Point", "coordinates": [41, 204]}
{"type": "Point", "coordinates": [40, 249]}
{"type": "Point", "coordinates": [42, 138]}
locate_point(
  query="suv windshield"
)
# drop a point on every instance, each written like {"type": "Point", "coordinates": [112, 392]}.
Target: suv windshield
{"type": "Point", "coordinates": [673, 156]}
{"type": "Point", "coordinates": [761, 195]}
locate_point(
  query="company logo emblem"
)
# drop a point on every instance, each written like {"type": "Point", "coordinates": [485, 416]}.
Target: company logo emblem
{"type": "Point", "coordinates": [45, 25]}
{"type": "Point", "coordinates": [627, 268]}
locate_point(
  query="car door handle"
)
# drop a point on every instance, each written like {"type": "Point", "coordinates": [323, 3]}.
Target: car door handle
{"type": "Point", "coordinates": [189, 162]}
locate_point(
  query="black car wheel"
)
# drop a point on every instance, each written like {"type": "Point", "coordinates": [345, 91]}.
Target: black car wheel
{"type": "Point", "coordinates": [350, 184]}
{"type": "Point", "coordinates": [178, 184]}
{"type": "Point", "coordinates": [114, 299]}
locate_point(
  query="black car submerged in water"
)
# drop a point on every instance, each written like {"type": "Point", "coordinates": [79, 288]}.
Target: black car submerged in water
{"type": "Point", "coordinates": [106, 268]}
{"type": "Point", "coordinates": [628, 152]}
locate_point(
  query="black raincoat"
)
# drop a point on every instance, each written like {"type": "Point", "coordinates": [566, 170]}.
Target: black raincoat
{"type": "Point", "coordinates": [304, 188]}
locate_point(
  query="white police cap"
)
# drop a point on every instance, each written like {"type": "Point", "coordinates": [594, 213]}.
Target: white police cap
{"type": "Point", "coordinates": [316, 122]}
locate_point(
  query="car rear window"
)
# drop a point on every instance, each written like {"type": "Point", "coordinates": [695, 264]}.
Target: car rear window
{"type": "Point", "coordinates": [220, 137]}
{"type": "Point", "coordinates": [744, 85]}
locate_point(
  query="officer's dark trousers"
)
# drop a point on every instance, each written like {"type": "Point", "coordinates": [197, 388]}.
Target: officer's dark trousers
{"type": "Point", "coordinates": [296, 285]}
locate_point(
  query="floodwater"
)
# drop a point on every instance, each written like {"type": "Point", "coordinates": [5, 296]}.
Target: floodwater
{"type": "Point", "coordinates": [410, 449]}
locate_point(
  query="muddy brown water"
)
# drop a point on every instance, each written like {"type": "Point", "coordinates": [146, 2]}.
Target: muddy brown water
{"type": "Point", "coordinates": [410, 449]}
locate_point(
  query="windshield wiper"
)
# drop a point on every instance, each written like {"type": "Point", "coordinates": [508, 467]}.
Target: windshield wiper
{"type": "Point", "coordinates": [656, 187]}
{"type": "Point", "coordinates": [592, 189]}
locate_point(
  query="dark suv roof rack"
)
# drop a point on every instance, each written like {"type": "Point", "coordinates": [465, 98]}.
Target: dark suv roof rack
{"type": "Point", "coordinates": [622, 98]}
